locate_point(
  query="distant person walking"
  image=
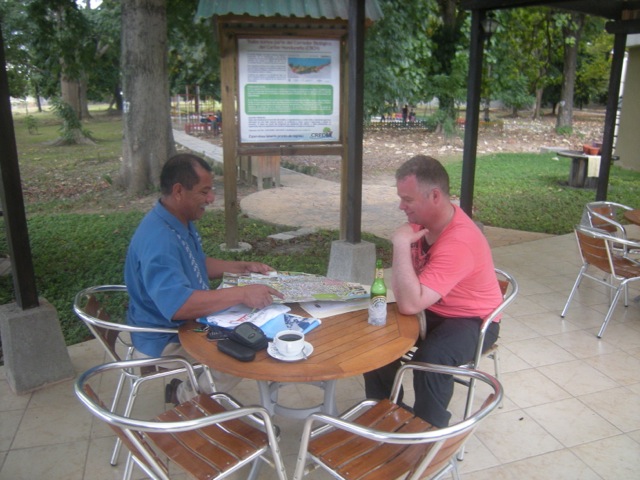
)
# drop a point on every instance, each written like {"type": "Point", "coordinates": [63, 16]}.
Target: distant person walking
{"type": "Point", "coordinates": [405, 113]}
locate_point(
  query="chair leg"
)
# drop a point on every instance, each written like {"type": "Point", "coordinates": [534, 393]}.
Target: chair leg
{"type": "Point", "coordinates": [255, 469]}
{"type": "Point", "coordinates": [573, 290]}
{"type": "Point", "coordinates": [612, 307]}
{"type": "Point", "coordinates": [128, 468]}
{"type": "Point", "coordinates": [495, 355]}
{"type": "Point", "coordinates": [133, 393]}
{"type": "Point", "coordinates": [114, 405]}
{"type": "Point", "coordinates": [467, 409]}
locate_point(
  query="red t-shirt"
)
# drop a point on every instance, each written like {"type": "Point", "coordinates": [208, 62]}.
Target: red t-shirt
{"type": "Point", "coordinates": [460, 268]}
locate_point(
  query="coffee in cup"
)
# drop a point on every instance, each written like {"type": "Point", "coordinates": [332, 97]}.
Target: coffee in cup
{"type": "Point", "coordinates": [289, 342]}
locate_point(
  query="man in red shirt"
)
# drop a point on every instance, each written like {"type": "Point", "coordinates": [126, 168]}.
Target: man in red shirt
{"type": "Point", "coordinates": [442, 264]}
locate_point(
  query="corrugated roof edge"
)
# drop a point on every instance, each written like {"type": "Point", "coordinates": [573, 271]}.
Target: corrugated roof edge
{"type": "Point", "coordinates": [329, 9]}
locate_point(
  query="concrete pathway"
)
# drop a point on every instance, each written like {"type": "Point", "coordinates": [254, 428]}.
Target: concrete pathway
{"type": "Point", "coordinates": [305, 201]}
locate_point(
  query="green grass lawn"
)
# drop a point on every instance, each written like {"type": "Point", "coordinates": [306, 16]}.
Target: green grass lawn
{"type": "Point", "coordinates": [73, 249]}
{"type": "Point", "coordinates": [525, 191]}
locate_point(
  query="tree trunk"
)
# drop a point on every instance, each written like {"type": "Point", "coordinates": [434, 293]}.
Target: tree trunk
{"type": "Point", "coordinates": [70, 93]}
{"type": "Point", "coordinates": [572, 34]}
{"type": "Point", "coordinates": [538, 107]}
{"type": "Point", "coordinates": [148, 138]}
{"type": "Point", "coordinates": [446, 39]}
{"type": "Point", "coordinates": [84, 100]}
{"type": "Point", "coordinates": [74, 92]}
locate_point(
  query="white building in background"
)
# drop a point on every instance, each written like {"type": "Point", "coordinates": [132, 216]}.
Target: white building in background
{"type": "Point", "coordinates": [628, 141]}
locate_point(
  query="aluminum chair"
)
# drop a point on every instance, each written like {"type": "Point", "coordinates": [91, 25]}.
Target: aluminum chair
{"type": "Point", "coordinates": [91, 305]}
{"type": "Point", "coordinates": [509, 288]}
{"type": "Point", "coordinates": [605, 215]}
{"type": "Point", "coordinates": [209, 436]}
{"type": "Point", "coordinates": [378, 440]}
{"type": "Point", "coordinates": [597, 250]}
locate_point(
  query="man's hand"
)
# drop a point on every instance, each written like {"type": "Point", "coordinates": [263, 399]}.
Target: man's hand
{"type": "Point", "coordinates": [256, 267]}
{"type": "Point", "coordinates": [404, 235]}
{"type": "Point", "coordinates": [258, 296]}
{"type": "Point", "coordinates": [216, 267]}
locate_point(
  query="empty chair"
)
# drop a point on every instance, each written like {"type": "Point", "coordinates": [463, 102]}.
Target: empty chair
{"type": "Point", "coordinates": [91, 305]}
{"type": "Point", "coordinates": [382, 440]}
{"type": "Point", "coordinates": [597, 251]}
{"type": "Point", "coordinates": [209, 436]}
{"type": "Point", "coordinates": [606, 216]}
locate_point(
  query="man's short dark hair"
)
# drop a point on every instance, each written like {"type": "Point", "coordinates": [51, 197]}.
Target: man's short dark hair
{"type": "Point", "coordinates": [428, 171]}
{"type": "Point", "coordinates": [181, 169]}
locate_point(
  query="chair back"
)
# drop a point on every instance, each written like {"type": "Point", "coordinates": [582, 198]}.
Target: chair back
{"type": "Point", "coordinates": [593, 247]}
{"type": "Point", "coordinates": [91, 305]}
{"type": "Point", "coordinates": [605, 216]}
{"type": "Point", "coordinates": [88, 306]}
{"type": "Point", "coordinates": [382, 440]}
{"type": "Point", "coordinates": [509, 289]}
{"type": "Point", "coordinates": [598, 248]}
{"type": "Point", "coordinates": [207, 436]}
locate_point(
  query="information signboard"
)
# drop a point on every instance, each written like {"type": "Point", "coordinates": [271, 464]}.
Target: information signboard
{"type": "Point", "coordinates": [289, 90]}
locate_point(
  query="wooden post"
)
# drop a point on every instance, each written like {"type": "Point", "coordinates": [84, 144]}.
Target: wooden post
{"type": "Point", "coordinates": [473, 112]}
{"type": "Point", "coordinates": [15, 221]}
{"type": "Point", "coordinates": [229, 137]}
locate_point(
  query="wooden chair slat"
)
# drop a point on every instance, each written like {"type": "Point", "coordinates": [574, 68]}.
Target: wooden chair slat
{"type": "Point", "coordinates": [336, 438]}
{"type": "Point", "coordinates": [219, 445]}
{"type": "Point", "coordinates": [249, 434]}
{"type": "Point", "coordinates": [399, 421]}
{"type": "Point", "coordinates": [386, 458]}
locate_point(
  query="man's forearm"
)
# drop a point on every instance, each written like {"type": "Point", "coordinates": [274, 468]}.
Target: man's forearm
{"type": "Point", "coordinates": [406, 286]}
{"type": "Point", "coordinates": [205, 302]}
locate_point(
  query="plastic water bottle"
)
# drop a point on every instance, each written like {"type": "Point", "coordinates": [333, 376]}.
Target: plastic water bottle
{"type": "Point", "coordinates": [378, 302]}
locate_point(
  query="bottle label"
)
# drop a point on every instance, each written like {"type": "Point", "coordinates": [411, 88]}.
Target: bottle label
{"type": "Point", "coordinates": [378, 310]}
{"type": "Point", "coordinates": [379, 302]}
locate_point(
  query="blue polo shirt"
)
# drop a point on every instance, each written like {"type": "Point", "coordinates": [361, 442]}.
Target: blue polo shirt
{"type": "Point", "coordinates": [165, 264]}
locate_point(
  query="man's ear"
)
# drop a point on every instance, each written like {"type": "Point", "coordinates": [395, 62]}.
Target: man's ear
{"type": "Point", "coordinates": [177, 190]}
{"type": "Point", "coordinates": [437, 195]}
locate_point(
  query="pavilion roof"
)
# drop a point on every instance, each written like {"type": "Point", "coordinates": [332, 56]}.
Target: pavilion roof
{"type": "Point", "coordinates": [316, 9]}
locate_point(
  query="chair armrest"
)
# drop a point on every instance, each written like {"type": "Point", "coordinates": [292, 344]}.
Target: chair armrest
{"type": "Point", "coordinates": [610, 221]}
{"type": "Point", "coordinates": [344, 423]}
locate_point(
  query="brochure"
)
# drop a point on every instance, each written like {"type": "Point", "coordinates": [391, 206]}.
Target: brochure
{"type": "Point", "coordinates": [289, 321]}
{"type": "Point", "coordinates": [329, 309]}
{"type": "Point", "coordinates": [233, 316]}
{"type": "Point", "coordinates": [299, 287]}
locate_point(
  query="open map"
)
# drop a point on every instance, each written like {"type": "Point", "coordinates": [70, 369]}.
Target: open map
{"type": "Point", "coordinates": [299, 287]}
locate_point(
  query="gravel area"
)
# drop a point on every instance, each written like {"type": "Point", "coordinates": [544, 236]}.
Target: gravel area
{"type": "Point", "coordinates": [384, 149]}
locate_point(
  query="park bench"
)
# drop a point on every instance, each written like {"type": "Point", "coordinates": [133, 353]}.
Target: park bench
{"type": "Point", "coordinates": [200, 127]}
{"type": "Point", "coordinates": [265, 168]}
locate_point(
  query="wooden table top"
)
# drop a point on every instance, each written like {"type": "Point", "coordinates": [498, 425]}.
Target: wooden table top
{"type": "Point", "coordinates": [633, 216]}
{"type": "Point", "coordinates": [344, 346]}
{"type": "Point", "coordinates": [572, 154]}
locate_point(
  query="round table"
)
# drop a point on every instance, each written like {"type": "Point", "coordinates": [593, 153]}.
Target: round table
{"type": "Point", "coordinates": [343, 346]}
{"type": "Point", "coordinates": [633, 216]}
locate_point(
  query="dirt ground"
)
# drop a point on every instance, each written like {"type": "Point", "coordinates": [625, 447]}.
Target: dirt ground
{"type": "Point", "coordinates": [384, 149]}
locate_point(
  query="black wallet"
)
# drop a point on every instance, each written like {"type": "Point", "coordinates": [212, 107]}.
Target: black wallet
{"type": "Point", "coordinates": [249, 335]}
{"type": "Point", "coordinates": [236, 350]}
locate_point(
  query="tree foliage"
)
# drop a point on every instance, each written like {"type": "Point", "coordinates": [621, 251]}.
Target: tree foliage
{"type": "Point", "coordinates": [392, 46]}
{"type": "Point", "coordinates": [194, 57]}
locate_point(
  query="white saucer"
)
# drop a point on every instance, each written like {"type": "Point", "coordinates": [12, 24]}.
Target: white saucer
{"type": "Point", "coordinates": [306, 350]}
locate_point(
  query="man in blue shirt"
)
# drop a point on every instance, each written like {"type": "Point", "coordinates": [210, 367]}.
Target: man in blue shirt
{"type": "Point", "coordinates": [167, 273]}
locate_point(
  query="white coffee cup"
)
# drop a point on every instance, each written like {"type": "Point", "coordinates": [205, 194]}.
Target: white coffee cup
{"type": "Point", "coordinates": [289, 342]}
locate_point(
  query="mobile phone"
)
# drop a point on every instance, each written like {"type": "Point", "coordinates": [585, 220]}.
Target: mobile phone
{"type": "Point", "coordinates": [217, 333]}
{"type": "Point", "coordinates": [236, 350]}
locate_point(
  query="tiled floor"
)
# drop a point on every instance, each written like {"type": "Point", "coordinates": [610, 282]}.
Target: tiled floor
{"type": "Point", "coordinates": [572, 407]}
